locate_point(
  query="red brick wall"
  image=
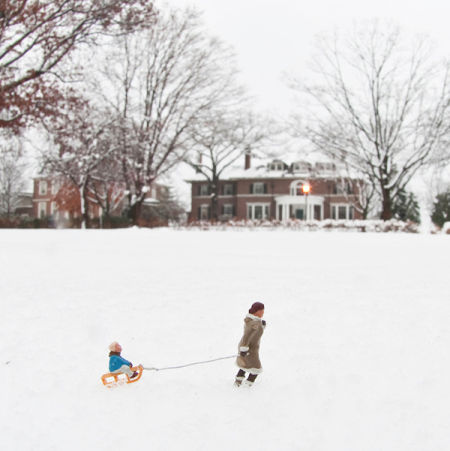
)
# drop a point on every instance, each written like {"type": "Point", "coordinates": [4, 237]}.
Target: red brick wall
{"type": "Point", "coordinates": [274, 187]}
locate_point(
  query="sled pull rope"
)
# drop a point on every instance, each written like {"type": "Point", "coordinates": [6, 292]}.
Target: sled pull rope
{"type": "Point", "coordinates": [189, 364]}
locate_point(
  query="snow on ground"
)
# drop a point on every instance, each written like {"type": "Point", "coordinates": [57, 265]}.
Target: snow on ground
{"type": "Point", "coordinates": [355, 353]}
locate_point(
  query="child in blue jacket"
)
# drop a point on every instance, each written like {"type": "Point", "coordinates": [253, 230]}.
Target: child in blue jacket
{"type": "Point", "coordinates": [118, 364]}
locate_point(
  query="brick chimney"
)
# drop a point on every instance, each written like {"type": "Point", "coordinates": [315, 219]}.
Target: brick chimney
{"type": "Point", "coordinates": [199, 162]}
{"type": "Point", "coordinates": [248, 160]}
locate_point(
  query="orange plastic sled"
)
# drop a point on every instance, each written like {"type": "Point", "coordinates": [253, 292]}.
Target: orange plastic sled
{"type": "Point", "coordinates": [114, 379]}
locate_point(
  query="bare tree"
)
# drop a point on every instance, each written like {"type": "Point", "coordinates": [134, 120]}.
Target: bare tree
{"type": "Point", "coordinates": [162, 81]}
{"type": "Point", "coordinates": [81, 145]}
{"type": "Point", "coordinates": [365, 193]}
{"type": "Point", "coordinates": [218, 141]}
{"type": "Point", "coordinates": [12, 181]}
{"type": "Point", "coordinates": [37, 35]}
{"type": "Point", "coordinates": [107, 189]}
{"type": "Point", "coordinates": [378, 105]}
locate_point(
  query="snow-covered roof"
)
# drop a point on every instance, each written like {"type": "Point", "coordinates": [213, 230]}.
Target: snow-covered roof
{"type": "Point", "coordinates": [299, 168]}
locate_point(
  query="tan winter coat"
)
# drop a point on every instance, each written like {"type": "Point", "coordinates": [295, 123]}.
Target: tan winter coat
{"type": "Point", "coordinates": [253, 330]}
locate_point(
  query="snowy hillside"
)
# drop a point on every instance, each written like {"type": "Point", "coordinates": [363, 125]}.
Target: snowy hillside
{"type": "Point", "coordinates": [355, 353]}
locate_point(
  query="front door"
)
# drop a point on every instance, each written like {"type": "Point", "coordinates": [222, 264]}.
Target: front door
{"type": "Point", "coordinates": [299, 214]}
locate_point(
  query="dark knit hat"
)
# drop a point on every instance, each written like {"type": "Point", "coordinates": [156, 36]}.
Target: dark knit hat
{"type": "Point", "coordinates": [256, 307]}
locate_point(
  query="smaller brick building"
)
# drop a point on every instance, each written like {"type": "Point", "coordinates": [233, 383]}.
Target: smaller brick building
{"type": "Point", "coordinates": [47, 188]}
{"type": "Point", "coordinates": [276, 191]}
{"type": "Point", "coordinates": [44, 192]}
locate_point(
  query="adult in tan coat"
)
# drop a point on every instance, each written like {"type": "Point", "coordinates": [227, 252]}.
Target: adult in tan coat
{"type": "Point", "coordinates": [248, 359]}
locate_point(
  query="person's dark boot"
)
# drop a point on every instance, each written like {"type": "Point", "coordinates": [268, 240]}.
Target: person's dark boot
{"type": "Point", "coordinates": [250, 379]}
{"type": "Point", "coordinates": [240, 376]}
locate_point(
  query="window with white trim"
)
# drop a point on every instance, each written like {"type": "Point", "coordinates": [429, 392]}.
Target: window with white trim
{"type": "Point", "coordinates": [276, 166]}
{"type": "Point", "coordinates": [258, 188]}
{"type": "Point", "coordinates": [203, 190]}
{"type": "Point", "coordinates": [228, 210]}
{"type": "Point", "coordinates": [42, 210]}
{"type": "Point", "coordinates": [297, 188]}
{"type": "Point", "coordinates": [53, 208]}
{"type": "Point", "coordinates": [301, 166]}
{"type": "Point", "coordinates": [342, 211]}
{"type": "Point", "coordinates": [258, 211]}
{"type": "Point", "coordinates": [325, 167]}
{"type": "Point", "coordinates": [228, 189]}
{"type": "Point", "coordinates": [42, 187]}
{"type": "Point", "coordinates": [204, 212]}
{"type": "Point", "coordinates": [343, 187]}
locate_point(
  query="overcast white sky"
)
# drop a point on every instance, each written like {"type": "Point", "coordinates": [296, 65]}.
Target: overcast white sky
{"type": "Point", "coordinates": [272, 37]}
{"type": "Point", "coordinates": [275, 36]}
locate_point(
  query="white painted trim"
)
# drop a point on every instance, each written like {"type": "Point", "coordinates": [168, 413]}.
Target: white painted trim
{"type": "Point", "coordinates": [257, 204]}
{"type": "Point", "coordinates": [257, 195]}
{"type": "Point", "coordinates": [294, 184]}
{"type": "Point", "coordinates": [342, 195]}
{"type": "Point", "coordinates": [42, 210]}
{"type": "Point", "coordinates": [347, 206]}
{"type": "Point", "coordinates": [43, 187]}
{"type": "Point", "coordinates": [228, 205]}
{"type": "Point", "coordinates": [202, 207]}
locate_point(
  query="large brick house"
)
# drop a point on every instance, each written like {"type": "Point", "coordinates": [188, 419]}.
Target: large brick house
{"type": "Point", "coordinates": [278, 191]}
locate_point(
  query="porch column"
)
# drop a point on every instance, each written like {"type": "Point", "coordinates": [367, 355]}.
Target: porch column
{"type": "Point", "coordinates": [285, 212]}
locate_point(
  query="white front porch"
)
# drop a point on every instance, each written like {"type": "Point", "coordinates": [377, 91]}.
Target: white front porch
{"type": "Point", "coordinates": [306, 207]}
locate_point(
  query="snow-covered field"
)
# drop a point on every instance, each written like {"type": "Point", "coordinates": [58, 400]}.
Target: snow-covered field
{"type": "Point", "coordinates": [356, 352]}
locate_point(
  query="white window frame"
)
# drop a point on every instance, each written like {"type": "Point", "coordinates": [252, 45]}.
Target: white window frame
{"type": "Point", "coordinates": [53, 208]}
{"type": "Point", "coordinates": [301, 167]}
{"type": "Point", "coordinates": [251, 210]}
{"type": "Point", "coordinates": [204, 208]}
{"type": "Point", "coordinates": [258, 188]}
{"type": "Point", "coordinates": [296, 187]}
{"type": "Point", "coordinates": [204, 187]}
{"type": "Point", "coordinates": [348, 208]}
{"type": "Point", "coordinates": [42, 210]}
{"type": "Point", "coordinates": [224, 189]}
{"type": "Point", "coordinates": [43, 186]}
{"type": "Point", "coordinates": [276, 167]}
{"type": "Point", "coordinates": [230, 208]}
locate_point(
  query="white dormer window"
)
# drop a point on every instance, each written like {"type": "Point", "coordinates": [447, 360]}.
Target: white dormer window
{"type": "Point", "coordinates": [301, 167]}
{"type": "Point", "coordinates": [276, 166]}
{"type": "Point", "coordinates": [325, 167]}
